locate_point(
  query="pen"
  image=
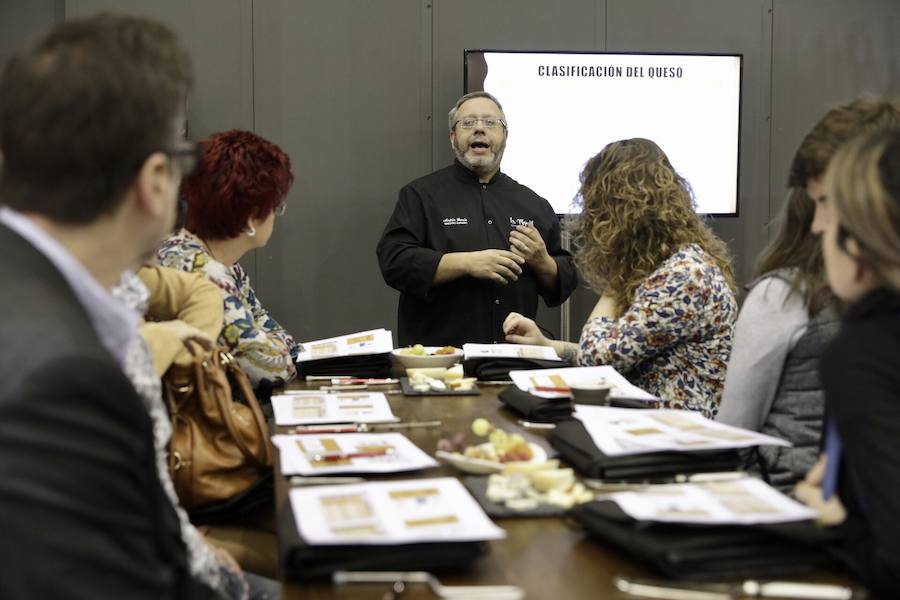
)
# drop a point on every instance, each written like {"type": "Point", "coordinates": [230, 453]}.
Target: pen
{"type": "Point", "coordinates": [532, 425]}
{"type": "Point", "coordinates": [297, 480]}
{"type": "Point", "coordinates": [710, 477]}
{"type": "Point", "coordinates": [335, 456]}
{"type": "Point", "coordinates": [307, 429]}
{"type": "Point", "coordinates": [369, 381]}
{"type": "Point", "coordinates": [363, 427]}
{"type": "Point", "coordinates": [699, 478]}
{"type": "Point", "coordinates": [340, 387]}
{"type": "Point", "coordinates": [395, 426]}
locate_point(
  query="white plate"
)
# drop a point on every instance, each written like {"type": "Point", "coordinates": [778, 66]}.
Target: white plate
{"type": "Point", "coordinates": [479, 466]}
{"type": "Point", "coordinates": [427, 360]}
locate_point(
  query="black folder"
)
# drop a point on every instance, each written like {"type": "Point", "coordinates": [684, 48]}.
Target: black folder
{"type": "Point", "coordinates": [709, 552]}
{"type": "Point", "coordinates": [549, 410]}
{"type": "Point", "coordinates": [304, 562]}
{"type": "Point", "coordinates": [576, 447]}
{"type": "Point", "coordinates": [491, 368]}
{"type": "Point", "coordinates": [365, 365]}
{"type": "Point", "coordinates": [535, 408]}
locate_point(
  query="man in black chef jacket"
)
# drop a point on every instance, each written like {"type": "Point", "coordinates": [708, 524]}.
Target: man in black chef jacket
{"type": "Point", "coordinates": [467, 244]}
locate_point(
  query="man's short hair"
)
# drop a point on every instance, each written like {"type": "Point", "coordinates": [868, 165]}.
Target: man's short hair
{"type": "Point", "coordinates": [82, 109]}
{"type": "Point", "coordinates": [839, 125]}
{"type": "Point", "coordinates": [451, 117]}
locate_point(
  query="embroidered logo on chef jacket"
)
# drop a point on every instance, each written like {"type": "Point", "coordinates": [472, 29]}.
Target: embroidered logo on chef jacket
{"type": "Point", "coordinates": [523, 222]}
{"type": "Point", "coordinates": [455, 221]}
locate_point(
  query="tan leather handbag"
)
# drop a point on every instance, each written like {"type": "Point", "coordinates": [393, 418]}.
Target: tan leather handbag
{"type": "Point", "coordinates": [220, 446]}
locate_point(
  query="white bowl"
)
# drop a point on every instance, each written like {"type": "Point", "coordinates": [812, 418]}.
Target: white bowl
{"type": "Point", "coordinates": [479, 466]}
{"type": "Point", "coordinates": [430, 359]}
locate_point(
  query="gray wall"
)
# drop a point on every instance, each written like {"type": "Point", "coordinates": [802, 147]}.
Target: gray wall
{"type": "Point", "coordinates": [356, 92]}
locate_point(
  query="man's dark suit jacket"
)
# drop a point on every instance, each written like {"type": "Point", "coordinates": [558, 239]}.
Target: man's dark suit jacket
{"type": "Point", "coordinates": [82, 512]}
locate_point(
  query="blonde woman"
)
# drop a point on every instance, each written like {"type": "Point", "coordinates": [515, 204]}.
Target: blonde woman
{"type": "Point", "coordinates": [667, 307]}
{"type": "Point", "coordinates": [860, 374]}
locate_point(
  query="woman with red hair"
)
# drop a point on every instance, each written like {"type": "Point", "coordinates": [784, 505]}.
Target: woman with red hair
{"type": "Point", "coordinates": [233, 196]}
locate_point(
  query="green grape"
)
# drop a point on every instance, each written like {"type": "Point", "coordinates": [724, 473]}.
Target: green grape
{"type": "Point", "coordinates": [499, 439]}
{"type": "Point", "coordinates": [481, 427]}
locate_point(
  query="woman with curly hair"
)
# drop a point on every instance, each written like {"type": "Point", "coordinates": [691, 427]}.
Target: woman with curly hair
{"type": "Point", "coordinates": [239, 186]}
{"type": "Point", "coordinates": [667, 306]}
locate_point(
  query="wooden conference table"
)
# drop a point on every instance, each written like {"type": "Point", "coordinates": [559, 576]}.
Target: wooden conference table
{"type": "Point", "coordinates": [549, 558]}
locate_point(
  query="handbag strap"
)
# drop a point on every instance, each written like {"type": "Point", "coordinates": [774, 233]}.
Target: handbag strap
{"type": "Point", "coordinates": [259, 420]}
{"type": "Point", "coordinates": [219, 356]}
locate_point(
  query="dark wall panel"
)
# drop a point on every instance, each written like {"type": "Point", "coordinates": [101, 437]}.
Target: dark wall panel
{"type": "Point", "coordinates": [22, 22]}
{"type": "Point", "coordinates": [217, 33]}
{"type": "Point", "coordinates": [826, 52]}
{"type": "Point", "coordinates": [341, 85]}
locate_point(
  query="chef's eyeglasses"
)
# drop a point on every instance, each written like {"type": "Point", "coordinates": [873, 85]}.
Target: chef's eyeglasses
{"type": "Point", "coordinates": [488, 123]}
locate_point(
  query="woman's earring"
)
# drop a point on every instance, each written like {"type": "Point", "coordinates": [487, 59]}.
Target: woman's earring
{"type": "Point", "coordinates": [251, 230]}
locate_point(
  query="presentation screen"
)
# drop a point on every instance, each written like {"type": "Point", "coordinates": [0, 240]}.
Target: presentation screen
{"type": "Point", "coordinates": [563, 107]}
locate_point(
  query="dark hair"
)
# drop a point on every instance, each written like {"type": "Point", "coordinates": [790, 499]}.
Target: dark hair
{"type": "Point", "coordinates": [240, 175]}
{"type": "Point", "coordinates": [82, 109]}
{"type": "Point", "coordinates": [794, 246]}
{"type": "Point", "coordinates": [839, 125]}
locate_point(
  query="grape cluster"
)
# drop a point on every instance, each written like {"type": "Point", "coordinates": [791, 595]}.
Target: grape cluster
{"type": "Point", "coordinates": [501, 447]}
{"type": "Point", "coordinates": [508, 447]}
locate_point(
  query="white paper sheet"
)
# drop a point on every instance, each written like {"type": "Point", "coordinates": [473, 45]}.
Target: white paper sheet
{"type": "Point", "coordinates": [509, 351]}
{"type": "Point", "coordinates": [744, 501]}
{"type": "Point", "coordinates": [624, 431]}
{"type": "Point", "coordinates": [298, 451]}
{"type": "Point", "coordinates": [391, 512]}
{"type": "Point", "coordinates": [569, 376]}
{"type": "Point", "coordinates": [375, 341]}
{"type": "Point", "coordinates": [319, 407]}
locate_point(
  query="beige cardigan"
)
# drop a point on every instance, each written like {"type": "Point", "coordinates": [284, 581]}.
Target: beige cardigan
{"type": "Point", "coordinates": [188, 297]}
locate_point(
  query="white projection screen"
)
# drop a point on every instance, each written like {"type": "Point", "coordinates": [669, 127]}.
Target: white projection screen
{"type": "Point", "coordinates": [563, 107]}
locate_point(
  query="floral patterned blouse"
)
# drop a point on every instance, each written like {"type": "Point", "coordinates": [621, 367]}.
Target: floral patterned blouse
{"type": "Point", "coordinates": [675, 339]}
{"type": "Point", "coordinates": [262, 347]}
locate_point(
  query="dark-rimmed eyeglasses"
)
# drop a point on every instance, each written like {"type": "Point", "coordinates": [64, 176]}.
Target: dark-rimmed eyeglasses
{"type": "Point", "coordinates": [487, 122]}
{"type": "Point", "coordinates": [186, 156]}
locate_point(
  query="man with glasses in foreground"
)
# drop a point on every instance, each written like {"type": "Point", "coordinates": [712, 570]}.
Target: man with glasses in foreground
{"type": "Point", "coordinates": [467, 245]}
{"type": "Point", "coordinates": [92, 161]}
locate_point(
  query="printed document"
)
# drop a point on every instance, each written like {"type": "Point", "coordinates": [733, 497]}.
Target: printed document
{"type": "Point", "coordinates": [746, 501]}
{"type": "Point", "coordinates": [376, 341]}
{"type": "Point", "coordinates": [509, 351]}
{"type": "Point", "coordinates": [319, 407]}
{"type": "Point", "coordinates": [331, 454]}
{"type": "Point", "coordinates": [624, 431]}
{"type": "Point", "coordinates": [533, 380]}
{"type": "Point", "coordinates": [391, 512]}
